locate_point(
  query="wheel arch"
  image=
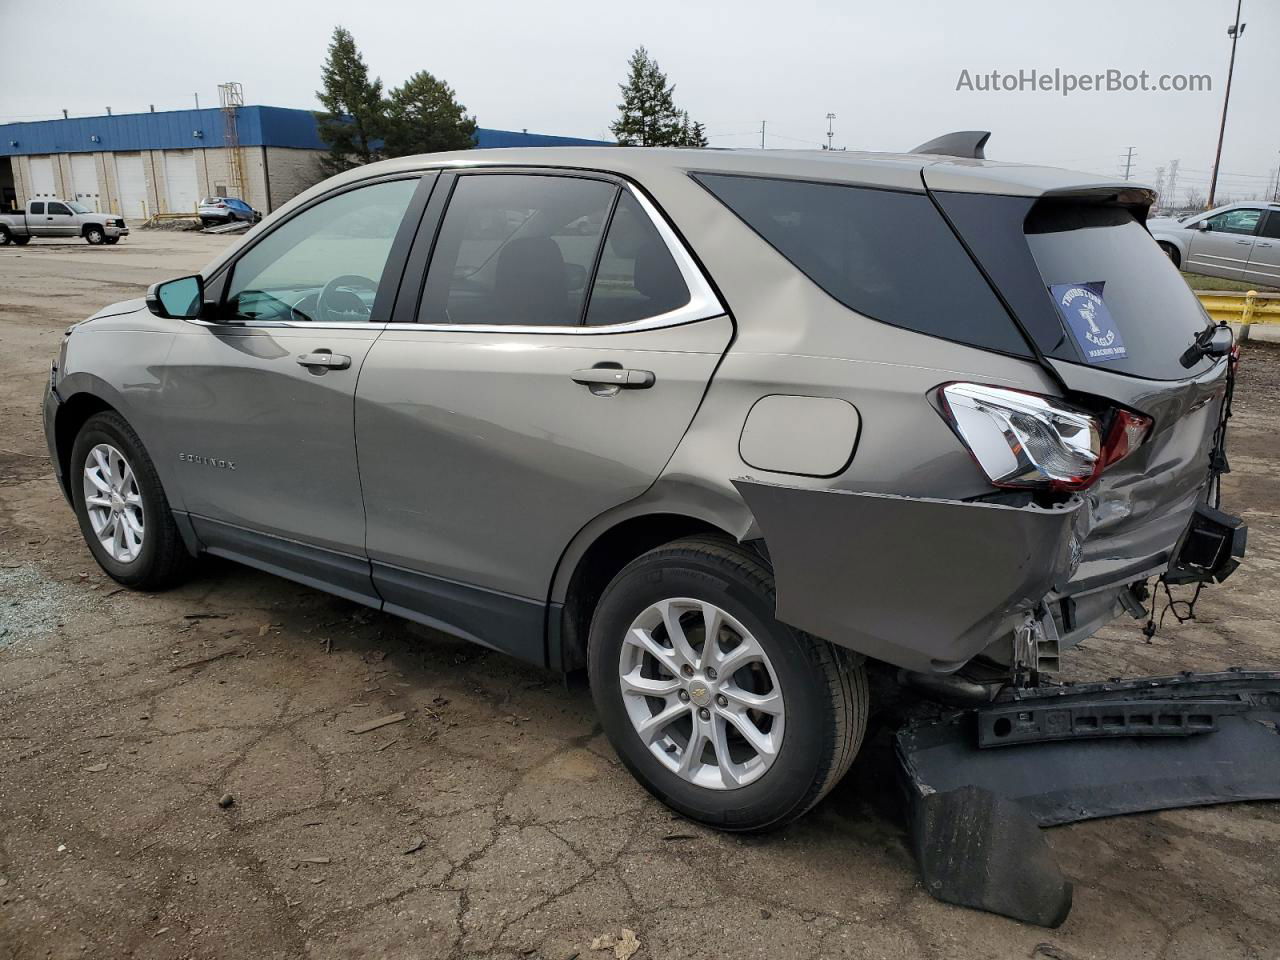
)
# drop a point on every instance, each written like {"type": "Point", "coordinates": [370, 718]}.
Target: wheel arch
{"type": "Point", "coordinates": [86, 227]}
{"type": "Point", "coordinates": [71, 415]}
{"type": "Point", "coordinates": [604, 546]}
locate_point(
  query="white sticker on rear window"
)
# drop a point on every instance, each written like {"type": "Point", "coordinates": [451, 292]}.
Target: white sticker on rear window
{"type": "Point", "coordinates": [1082, 306]}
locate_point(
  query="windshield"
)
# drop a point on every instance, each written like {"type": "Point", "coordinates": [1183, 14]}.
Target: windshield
{"type": "Point", "coordinates": [78, 207]}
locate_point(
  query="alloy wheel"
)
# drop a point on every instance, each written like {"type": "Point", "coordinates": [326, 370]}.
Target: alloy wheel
{"type": "Point", "coordinates": [701, 693]}
{"type": "Point", "coordinates": [114, 503]}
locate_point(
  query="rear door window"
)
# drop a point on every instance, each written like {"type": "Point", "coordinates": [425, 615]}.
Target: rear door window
{"type": "Point", "coordinates": [1271, 228]}
{"type": "Point", "coordinates": [886, 254]}
{"type": "Point", "coordinates": [516, 249]}
{"type": "Point", "coordinates": [37, 207]}
{"type": "Point", "coordinates": [637, 277]}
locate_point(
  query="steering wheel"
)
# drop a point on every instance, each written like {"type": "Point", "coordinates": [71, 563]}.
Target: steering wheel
{"type": "Point", "coordinates": [338, 300]}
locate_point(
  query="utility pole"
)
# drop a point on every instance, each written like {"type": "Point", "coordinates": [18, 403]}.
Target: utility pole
{"type": "Point", "coordinates": [1234, 32]}
{"type": "Point", "coordinates": [830, 132]}
{"type": "Point", "coordinates": [1128, 162]}
{"type": "Point", "coordinates": [1173, 182]}
{"type": "Point", "coordinates": [762, 123]}
{"type": "Point", "coordinates": [1160, 197]}
{"type": "Point", "coordinates": [1275, 197]}
{"type": "Point", "coordinates": [197, 96]}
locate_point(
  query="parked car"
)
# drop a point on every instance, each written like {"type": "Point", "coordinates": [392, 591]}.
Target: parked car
{"type": "Point", "coordinates": [774, 416]}
{"type": "Point", "coordinates": [226, 210]}
{"type": "Point", "coordinates": [1240, 241]}
{"type": "Point", "coordinates": [60, 218]}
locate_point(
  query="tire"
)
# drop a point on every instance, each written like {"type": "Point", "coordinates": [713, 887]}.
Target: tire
{"type": "Point", "coordinates": [94, 235]}
{"type": "Point", "coordinates": [21, 241]}
{"type": "Point", "coordinates": [1171, 252]}
{"type": "Point", "coordinates": [162, 560]}
{"type": "Point", "coordinates": [5, 237]}
{"type": "Point", "coordinates": [821, 690]}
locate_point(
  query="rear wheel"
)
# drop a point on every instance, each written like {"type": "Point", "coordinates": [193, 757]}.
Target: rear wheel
{"type": "Point", "coordinates": [720, 711]}
{"type": "Point", "coordinates": [123, 512]}
{"type": "Point", "coordinates": [21, 241]}
{"type": "Point", "coordinates": [94, 235]}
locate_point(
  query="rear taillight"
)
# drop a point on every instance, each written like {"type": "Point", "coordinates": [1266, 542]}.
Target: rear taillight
{"type": "Point", "coordinates": [1025, 440]}
{"type": "Point", "coordinates": [1127, 433]}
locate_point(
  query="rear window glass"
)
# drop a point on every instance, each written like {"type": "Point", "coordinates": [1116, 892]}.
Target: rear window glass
{"type": "Point", "coordinates": [886, 254]}
{"type": "Point", "coordinates": [636, 278]}
{"type": "Point", "coordinates": [1134, 297]}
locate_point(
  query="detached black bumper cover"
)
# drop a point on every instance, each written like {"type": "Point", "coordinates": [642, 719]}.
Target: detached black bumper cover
{"type": "Point", "coordinates": [981, 781]}
{"type": "Point", "coordinates": [1182, 741]}
{"type": "Point", "coordinates": [922, 584]}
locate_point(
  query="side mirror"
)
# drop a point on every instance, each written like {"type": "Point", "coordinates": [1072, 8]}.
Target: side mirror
{"type": "Point", "coordinates": [1204, 225]}
{"type": "Point", "coordinates": [180, 299]}
{"type": "Point", "coordinates": [1210, 342]}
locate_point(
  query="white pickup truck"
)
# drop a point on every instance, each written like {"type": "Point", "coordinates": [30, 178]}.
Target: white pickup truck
{"type": "Point", "coordinates": [60, 218]}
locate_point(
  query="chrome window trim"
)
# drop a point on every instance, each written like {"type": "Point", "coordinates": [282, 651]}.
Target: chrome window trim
{"type": "Point", "coordinates": [703, 303]}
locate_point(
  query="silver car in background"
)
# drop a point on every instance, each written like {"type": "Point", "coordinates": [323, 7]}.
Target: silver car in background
{"type": "Point", "coordinates": [1240, 241]}
{"type": "Point", "coordinates": [722, 428]}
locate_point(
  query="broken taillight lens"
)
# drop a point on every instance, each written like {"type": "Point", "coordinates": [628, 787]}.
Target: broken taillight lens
{"type": "Point", "coordinates": [1025, 440]}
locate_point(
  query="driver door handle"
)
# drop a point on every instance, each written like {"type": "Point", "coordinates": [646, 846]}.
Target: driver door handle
{"type": "Point", "coordinates": [331, 361]}
{"type": "Point", "coordinates": [615, 377]}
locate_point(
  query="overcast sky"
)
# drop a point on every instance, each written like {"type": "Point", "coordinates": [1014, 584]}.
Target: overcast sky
{"type": "Point", "coordinates": [888, 70]}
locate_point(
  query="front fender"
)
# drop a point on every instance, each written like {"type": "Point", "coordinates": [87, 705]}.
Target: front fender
{"type": "Point", "coordinates": [919, 583]}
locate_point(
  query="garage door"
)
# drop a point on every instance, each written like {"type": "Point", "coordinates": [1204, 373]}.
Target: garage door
{"type": "Point", "coordinates": [42, 177]}
{"type": "Point", "coordinates": [133, 185]}
{"type": "Point", "coordinates": [180, 174]}
{"type": "Point", "coordinates": [84, 177]}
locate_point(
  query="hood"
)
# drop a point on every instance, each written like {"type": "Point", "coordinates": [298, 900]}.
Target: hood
{"type": "Point", "coordinates": [117, 309]}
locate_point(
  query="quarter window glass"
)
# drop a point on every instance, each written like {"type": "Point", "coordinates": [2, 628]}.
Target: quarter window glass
{"type": "Point", "coordinates": [325, 263]}
{"type": "Point", "coordinates": [1236, 221]}
{"type": "Point", "coordinates": [37, 208]}
{"type": "Point", "coordinates": [1271, 228]}
{"type": "Point", "coordinates": [516, 249]}
{"type": "Point", "coordinates": [637, 277]}
{"type": "Point", "coordinates": [60, 209]}
{"type": "Point", "coordinates": [888, 255]}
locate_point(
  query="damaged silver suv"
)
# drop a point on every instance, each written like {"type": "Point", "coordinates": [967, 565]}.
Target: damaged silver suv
{"type": "Point", "coordinates": [722, 427]}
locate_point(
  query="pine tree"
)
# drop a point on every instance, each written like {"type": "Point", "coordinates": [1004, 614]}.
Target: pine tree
{"type": "Point", "coordinates": [354, 115]}
{"type": "Point", "coordinates": [424, 116]}
{"type": "Point", "coordinates": [647, 115]}
{"type": "Point", "coordinates": [691, 134]}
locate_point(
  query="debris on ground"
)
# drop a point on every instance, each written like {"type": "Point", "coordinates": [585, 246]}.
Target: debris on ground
{"type": "Point", "coordinates": [623, 946]}
{"type": "Point", "coordinates": [95, 768]}
{"type": "Point", "coordinates": [226, 800]}
{"type": "Point", "coordinates": [414, 847]}
{"type": "Point", "coordinates": [314, 860]}
{"type": "Point", "coordinates": [380, 722]}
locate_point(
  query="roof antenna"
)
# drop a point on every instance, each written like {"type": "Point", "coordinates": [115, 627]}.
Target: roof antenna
{"type": "Point", "coordinates": [962, 143]}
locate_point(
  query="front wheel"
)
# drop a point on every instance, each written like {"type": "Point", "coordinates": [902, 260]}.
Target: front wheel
{"type": "Point", "coordinates": [1171, 252]}
{"type": "Point", "coordinates": [726, 715]}
{"type": "Point", "coordinates": [122, 508]}
{"type": "Point", "coordinates": [5, 237]}
{"type": "Point", "coordinates": [94, 235]}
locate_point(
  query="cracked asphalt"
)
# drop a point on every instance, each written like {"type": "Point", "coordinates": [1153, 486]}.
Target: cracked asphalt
{"type": "Point", "coordinates": [493, 820]}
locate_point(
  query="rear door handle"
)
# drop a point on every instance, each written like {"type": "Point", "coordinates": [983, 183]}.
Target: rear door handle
{"type": "Point", "coordinates": [1244, 241]}
{"type": "Point", "coordinates": [615, 377]}
{"type": "Point", "coordinates": [332, 361]}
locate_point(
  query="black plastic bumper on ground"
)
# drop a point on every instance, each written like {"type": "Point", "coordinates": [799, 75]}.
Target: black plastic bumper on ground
{"type": "Point", "coordinates": [998, 793]}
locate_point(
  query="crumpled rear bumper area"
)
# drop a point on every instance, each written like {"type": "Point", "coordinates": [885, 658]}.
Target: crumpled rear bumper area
{"type": "Point", "coordinates": [918, 583]}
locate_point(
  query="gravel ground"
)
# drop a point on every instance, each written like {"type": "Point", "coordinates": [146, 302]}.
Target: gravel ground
{"type": "Point", "coordinates": [494, 821]}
